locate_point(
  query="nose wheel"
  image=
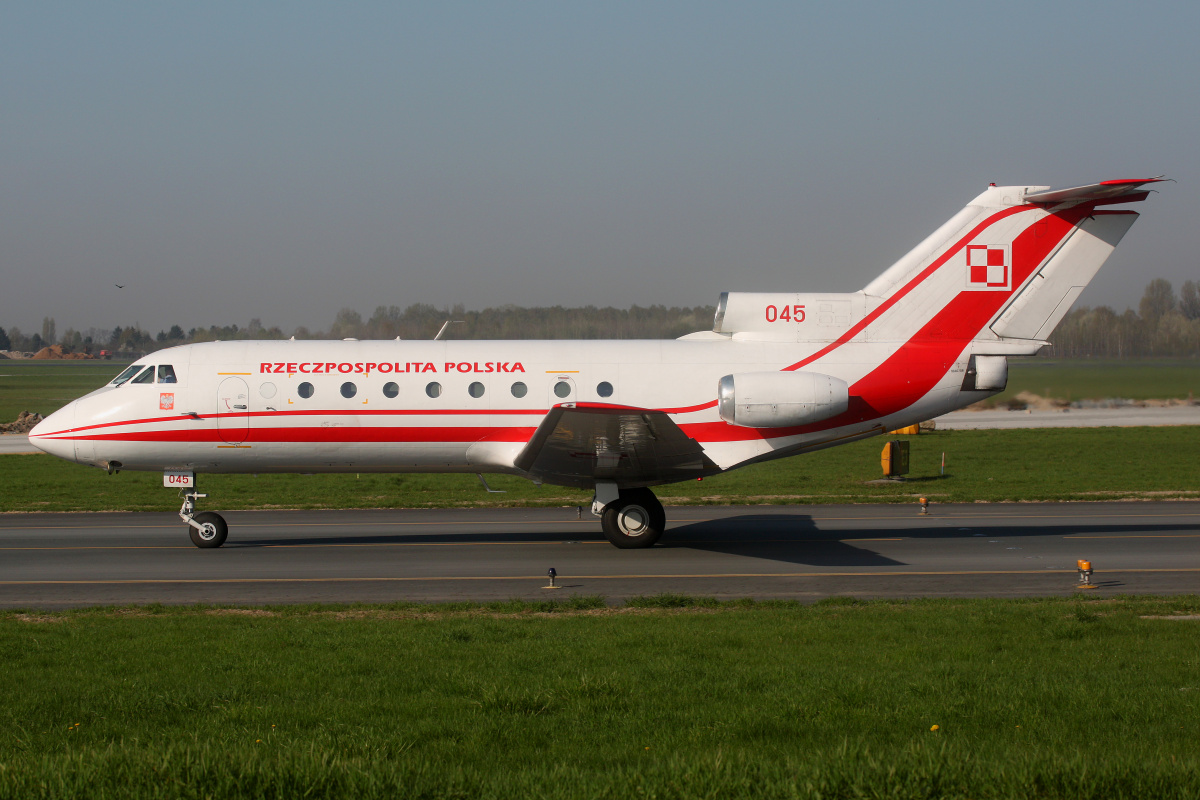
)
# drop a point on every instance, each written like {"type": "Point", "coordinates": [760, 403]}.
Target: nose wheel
{"type": "Point", "coordinates": [206, 529]}
{"type": "Point", "coordinates": [635, 519]}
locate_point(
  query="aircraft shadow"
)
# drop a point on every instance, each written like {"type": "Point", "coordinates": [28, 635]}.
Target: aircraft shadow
{"type": "Point", "coordinates": [796, 539]}
{"type": "Point", "coordinates": [790, 538]}
{"type": "Point", "coordinates": [786, 538]}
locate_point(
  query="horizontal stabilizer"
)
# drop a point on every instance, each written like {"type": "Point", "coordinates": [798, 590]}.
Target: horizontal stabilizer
{"type": "Point", "coordinates": [1118, 191]}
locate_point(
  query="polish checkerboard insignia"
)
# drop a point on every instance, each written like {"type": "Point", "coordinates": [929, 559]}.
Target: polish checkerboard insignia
{"type": "Point", "coordinates": [989, 266]}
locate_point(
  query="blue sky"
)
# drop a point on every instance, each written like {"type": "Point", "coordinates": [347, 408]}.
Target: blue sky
{"type": "Point", "coordinates": [284, 160]}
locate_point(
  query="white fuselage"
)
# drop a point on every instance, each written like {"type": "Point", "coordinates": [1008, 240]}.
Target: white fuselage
{"type": "Point", "coordinates": [196, 423]}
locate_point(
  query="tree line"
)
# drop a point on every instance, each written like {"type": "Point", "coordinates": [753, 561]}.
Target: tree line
{"type": "Point", "coordinates": [1164, 324]}
{"type": "Point", "coordinates": [417, 321]}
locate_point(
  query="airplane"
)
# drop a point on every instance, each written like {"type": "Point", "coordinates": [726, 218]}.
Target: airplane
{"type": "Point", "coordinates": [779, 374]}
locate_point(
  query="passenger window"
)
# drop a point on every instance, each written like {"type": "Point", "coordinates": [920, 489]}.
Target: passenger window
{"type": "Point", "coordinates": [434, 389]}
{"type": "Point", "coordinates": [305, 390]}
{"type": "Point", "coordinates": [349, 390]}
{"type": "Point", "coordinates": [475, 389]}
{"type": "Point", "coordinates": [126, 375]}
{"type": "Point", "coordinates": [562, 389]}
{"type": "Point", "coordinates": [604, 389]}
{"type": "Point", "coordinates": [145, 376]}
{"type": "Point", "coordinates": [390, 390]}
{"type": "Point", "coordinates": [519, 389]}
{"type": "Point", "coordinates": [166, 373]}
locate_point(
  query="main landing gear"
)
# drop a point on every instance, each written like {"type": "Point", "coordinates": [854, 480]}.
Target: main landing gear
{"type": "Point", "coordinates": [630, 518]}
{"type": "Point", "coordinates": [207, 529]}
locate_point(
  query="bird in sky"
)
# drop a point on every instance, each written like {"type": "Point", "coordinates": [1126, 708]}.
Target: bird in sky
{"type": "Point", "coordinates": [119, 285]}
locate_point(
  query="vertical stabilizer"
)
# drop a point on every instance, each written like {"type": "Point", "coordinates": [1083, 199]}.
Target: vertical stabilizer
{"type": "Point", "coordinates": [1008, 265]}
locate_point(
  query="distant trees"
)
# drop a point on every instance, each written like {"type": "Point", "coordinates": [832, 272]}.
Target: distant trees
{"type": "Point", "coordinates": [1189, 300]}
{"type": "Point", "coordinates": [1163, 325]}
{"type": "Point", "coordinates": [423, 321]}
{"type": "Point", "coordinates": [1158, 301]}
{"type": "Point", "coordinates": [72, 341]}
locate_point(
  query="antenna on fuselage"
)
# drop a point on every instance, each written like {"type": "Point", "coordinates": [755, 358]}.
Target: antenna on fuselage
{"type": "Point", "coordinates": [447, 324]}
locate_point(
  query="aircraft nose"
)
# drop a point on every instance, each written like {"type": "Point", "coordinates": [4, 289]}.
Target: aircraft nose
{"type": "Point", "coordinates": [43, 434]}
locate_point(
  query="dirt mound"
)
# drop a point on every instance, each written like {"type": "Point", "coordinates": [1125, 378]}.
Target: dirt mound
{"type": "Point", "coordinates": [55, 351]}
{"type": "Point", "coordinates": [26, 420]}
{"type": "Point", "coordinates": [1036, 402]}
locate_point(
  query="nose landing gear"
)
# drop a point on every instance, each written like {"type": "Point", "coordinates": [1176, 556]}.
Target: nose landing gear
{"type": "Point", "coordinates": [206, 529]}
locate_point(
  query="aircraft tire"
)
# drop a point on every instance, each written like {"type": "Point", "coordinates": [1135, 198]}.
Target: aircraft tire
{"type": "Point", "coordinates": [636, 519]}
{"type": "Point", "coordinates": [214, 533]}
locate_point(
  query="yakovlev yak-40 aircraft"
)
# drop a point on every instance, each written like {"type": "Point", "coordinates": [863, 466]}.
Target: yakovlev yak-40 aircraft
{"type": "Point", "coordinates": [778, 375]}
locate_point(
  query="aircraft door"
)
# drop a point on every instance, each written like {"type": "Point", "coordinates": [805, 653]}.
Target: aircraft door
{"type": "Point", "coordinates": [562, 390]}
{"type": "Point", "coordinates": [233, 410]}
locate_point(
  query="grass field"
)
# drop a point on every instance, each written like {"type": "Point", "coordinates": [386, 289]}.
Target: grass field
{"type": "Point", "coordinates": [664, 698]}
{"type": "Point", "coordinates": [1103, 379]}
{"type": "Point", "coordinates": [1050, 464]}
{"type": "Point", "coordinates": [46, 386]}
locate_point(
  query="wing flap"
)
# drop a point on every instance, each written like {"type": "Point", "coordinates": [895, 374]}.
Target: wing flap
{"type": "Point", "coordinates": [578, 445]}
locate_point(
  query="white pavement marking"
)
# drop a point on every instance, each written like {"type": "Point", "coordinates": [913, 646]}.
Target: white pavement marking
{"type": "Point", "coordinates": [1070, 418]}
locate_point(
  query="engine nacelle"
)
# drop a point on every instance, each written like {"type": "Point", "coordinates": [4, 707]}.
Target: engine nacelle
{"type": "Point", "coordinates": [780, 399]}
{"type": "Point", "coordinates": [788, 317]}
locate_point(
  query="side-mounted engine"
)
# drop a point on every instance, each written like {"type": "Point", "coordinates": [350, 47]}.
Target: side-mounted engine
{"type": "Point", "coordinates": [780, 399]}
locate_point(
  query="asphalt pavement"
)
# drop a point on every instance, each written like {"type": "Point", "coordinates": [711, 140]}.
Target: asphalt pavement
{"type": "Point", "coordinates": [994, 550]}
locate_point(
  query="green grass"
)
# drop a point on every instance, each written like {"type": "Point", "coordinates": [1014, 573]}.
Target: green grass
{"type": "Point", "coordinates": [46, 386]}
{"type": "Point", "coordinates": [1050, 699]}
{"type": "Point", "coordinates": [1012, 465]}
{"type": "Point", "coordinates": [1071, 380]}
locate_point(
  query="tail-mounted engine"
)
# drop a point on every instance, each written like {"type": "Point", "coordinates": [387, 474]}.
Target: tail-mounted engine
{"type": "Point", "coordinates": [788, 317]}
{"type": "Point", "coordinates": [986, 374]}
{"type": "Point", "coordinates": [780, 399]}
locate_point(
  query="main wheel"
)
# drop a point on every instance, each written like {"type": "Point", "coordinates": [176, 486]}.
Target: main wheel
{"type": "Point", "coordinates": [212, 530]}
{"type": "Point", "coordinates": [635, 519]}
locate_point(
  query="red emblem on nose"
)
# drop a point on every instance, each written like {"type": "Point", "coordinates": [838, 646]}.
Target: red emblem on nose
{"type": "Point", "coordinates": [166, 402]}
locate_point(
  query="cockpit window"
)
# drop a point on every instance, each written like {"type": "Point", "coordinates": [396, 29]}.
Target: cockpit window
{"type": "Point", "coordinates": [126, 375]}
{"type": "Point", "coordinates": [145, 376]}
{"type": "Point", "coordinates": [166, 373]}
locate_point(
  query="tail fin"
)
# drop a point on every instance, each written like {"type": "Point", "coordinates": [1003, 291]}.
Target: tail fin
{"type": "Point", "coordinates": [1008, 266]}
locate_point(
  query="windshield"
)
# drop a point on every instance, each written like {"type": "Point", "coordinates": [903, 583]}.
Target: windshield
{"type": "Point", "coordinates": [126, 375]}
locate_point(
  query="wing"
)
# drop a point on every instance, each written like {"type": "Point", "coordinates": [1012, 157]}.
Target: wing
{"type": "Point", "coordinates": [577, 445]}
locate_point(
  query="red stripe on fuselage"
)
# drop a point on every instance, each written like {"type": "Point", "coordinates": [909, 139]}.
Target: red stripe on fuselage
{"type": "Point", "coordinates": [339, 435]}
